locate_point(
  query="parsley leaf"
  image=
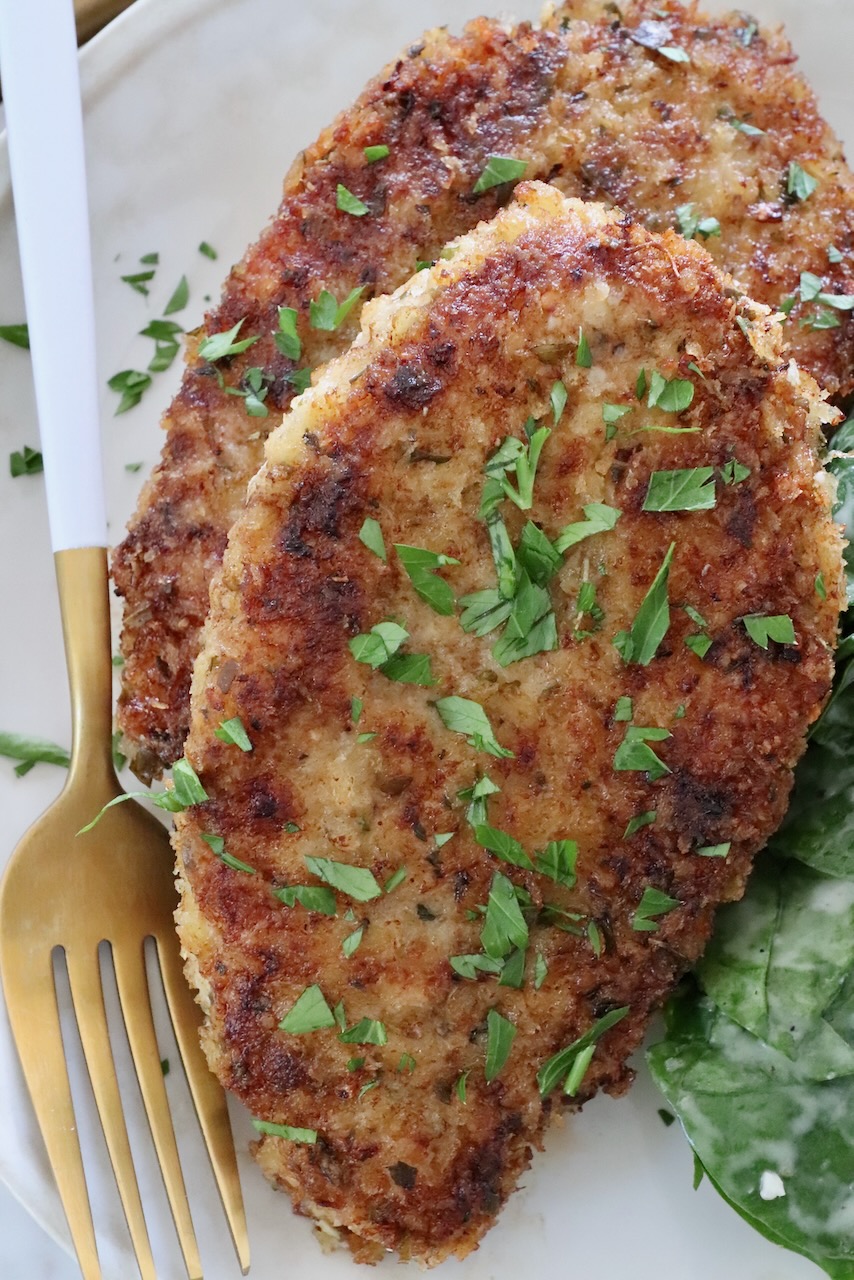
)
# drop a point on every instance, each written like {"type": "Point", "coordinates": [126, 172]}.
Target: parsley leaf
{"type": "Point", "coordinates": [500, 1034]}
{"type": "Point", "coordinates": [558, 400]}
{"type": "Point", "coordinates": [483, 611]}
{"type": "Point", "coordinates": [139, 281]}
{"type": "Point", "coordinates": [366, 1031]}
{"type": "Point", "coordinates": [672, 395]}
{"type": "Point", "coordinates": [715, 850]}
{"type": "Point", "coordinates": [762, 628]}
{"type": "Point", "coordinates": [25, 462]}
{"type": "Point", "coordinates": [653, 903]}
{"type": "Point", "coordinates": [477, 795]}
{"type": "Point", "coordinates": [410, 668]}
{"type": "Point", "coordinates": [287, 339]}
{"type": "Point", "coordinates": [325, 312]}
{"type": "Point", "coordinates": [522, 459]}
{"type": "Point", "coordinates": [691, 224]}
{"type": "Point", "coordinates": [499, 169]}
{"type": "Point", "coordinates": [233, 732]}
{"type": "Point", "coordinates": [531, 626]}
{"type": "Point", "coordinates": [633, 755]}
{"type": "Point", "coordinates": [308, 1136]}
{"type": "Point", "coordinates": [357, 882]}
{"type": "Point", "coordinates": [692, 489]}
{"type": "Point", "coordinates": [504, 926]}
{"type": "Point", "coordinates": [611, 415]}
{"type": "Point", "coordinates": [219, 345]}
{"type": "Point", "coordinates": [372, 536]}
{"type": "Point", "coordinates": [734, 472]}
{"type": "Point", "coordinates": [460, 1086]}
{"type": "Point", "coordinates": [639, 821]}
{"type": "Point", "coordinates": [32, 751]}
{"type": "Point", "coordinates": [504, 846]}
{"type": "Point", "coordinates": [652, 620]}
{"type": "Point", "coordinates": [313, 897]}
{"type": "Point", "coordinates": [419, 564]}
{"type": "Point", "coordinates": [208, 251]}
{"type": "Point", "coordinates": [623, 709]}
{"type": "Point", "coordinates": [17, 334]}
{"type": "Point", "coordinates": [583, 356]}
{"type": "Point", "coordinates": [536, 555]}
{"type": "Point", "coordinates": [598, 518]}
{"type": "Point", "coordinates": [348, 203]}
{"type": "Point", "coordinates": [461, 715]}
{"type": "Point", "coordinates": [556, 1067]}
{"type": "Point", "coordinates": [179, 299]}
{"type": "Point", "coordinates": [799, 183]}
{"type": "Point", "coordinates": [749, 130]}
{"type": "Point", "coordinates": [217, 844]}
{"type": "Point", "coordinates": [541, 970]}
{"type": "Point", "coordinates": [132, 385]}
{"type": "Point", "coordinates": [469, 967]}
{"type": "Point", "coordinates": [379, 644]}
{"type": "Point", "coordinates": [557, 861]}
{"type": "Point", "coordinates": [310, 1013]}
{"type": "Point", "coordinates": [375, 153]}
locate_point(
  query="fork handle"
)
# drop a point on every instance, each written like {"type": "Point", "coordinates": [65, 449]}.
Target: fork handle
{"type": "Point", "coordinates": [82, 577]}
{"type": "Point", "coordinates": [41, 91]}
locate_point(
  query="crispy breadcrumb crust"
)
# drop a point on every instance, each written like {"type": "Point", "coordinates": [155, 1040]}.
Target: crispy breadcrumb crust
{"type": "Point", "coordinates": [399, 429]}
{"type": "Point", "coordinates": [593, 110]}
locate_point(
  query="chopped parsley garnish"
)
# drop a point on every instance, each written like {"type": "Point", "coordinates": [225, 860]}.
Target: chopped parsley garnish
{"type": "Point", "coordinates": [499, 169]}
{"type": "Point", "coordinates": [598, 518]}
{"type": "Point", "coordinates": [356, 708]}
{"type": "Point", "coordinates": [217, 844]}
{"type": "Point", "coordinates": [504, 846]}
{"type": "Point", "coordinates": [378, 152]}
{"type": "Point", "coordinates": [407, 1063]}
{"type": "Point", "coordinates": [340, 1016]}
{"type": "Point", "coordinates": [348, 203]}
{"type": "Point", "coordinates": [357, 882]}
{"type": "Point", "coordinates": [778, 627]}
{"type": "Point", "coordinates": [366, 737]}
{"type": "Point", "coordinates": [253, 390]}
{"type": "Point", "coordinates": [165, 335]}
{"type": "Point", "coordinates": [16, 334]}
{"type": "Point", "coordinates": [483, 611]}
{"type": "Point", "coordinates": [461, 715]}
{"type": "Point", "coordinates": [219, 345]}
{"type": "Point", "coordinates": [442, 837]}
{"type": "Point", "coordinates": [208, 251]}
{"type": "Point", "coordinates": [699, 644]}
{"type": "Point", "coordinates": [379, 644]}
{"type": "Point", "coordinates": [233, 732]}
{"type": "Point", "coordinates": [477, 796]}
{"type": "Point", "coordinates": [132, 385]}
{"type": "Point", "coordinates": [557, 861]}
{"type": "Point", "coordinates": [366, 1088]}
{"type": "Point", "coordinates": [395, 879]}
{"type": "Point", "coordinates": [558, 400]}
{"type": "Point", "coordinates": [139, 281]}
{"type": "Point", "coordinates": [287, 339]}
{"type": "Point", "coordinates": [355, 1064]}
{"type": "Point", "coordinates": [470, 966]}
{"type": "Point", "coordinates": [308, 1136]}
{"type": "Point", "coordinates": [353, 941]}
{"type": "Point", "coordinates": [578, 1071]}
{"type": "Point", "coordinates": [32, 751]}
{"type": "Point", "coordinates": [653, 903]}
{"type": "Point", "coordinates": [611, 415]}
{"type": "Point", "coordinates": [531, 626]}
{"type": "Point", "coordinates": [541, 970]}
{"type": "Point", "coordinates": [639, 821]}
{"type": "Point", "coordinates": [672, 395]}
{"type": "Point", "coordinates": [186, 791]}
{"type": "Point", "coordinates": [714, 850]}
{"type": "Point", "coordinates": [150, 259]}
{"type": "Point", "coordinates": [291, 828]}
{"type": "Point", "coordinates": [504, 926]}
{"type": "Point", "coordinates": [513, 971]}
{"type": "Point", "coordinates": [623, 709]}
{"type": "Point", "coordinates": [583, 357]}
{"type": "Point", "coordinates": [733, 472]}
{"type": "Point", "coordinates": [25, 462]}
{"type": "Point", "coordinates": [460, 1086]}
{"type": "Point", "coordinates": [749, 130]}
{"type": "Point", "coordinates": [420, 565]}
{"type": "Point", "coordinates": [410, 668]}
{"type": "Point", "coordinates": [327, 314]}
{"type": "Point", "coordinates": [372, 536]}
{"type": "Point", "coordinates": [557, 1067]}
{"type": "Point", "coordinates": [820, 588]}
{"type": "Point", "coordinates": [179, 299]}
{"type": "Point", "coordinates": [366, 1031]}
{"type": "Point", "coordinates": [522, 459]}
{"type": "Point", "coordinates": [800, 184]}
{"type": "Point", "coordinates": [811, 289]}
{"type": "Point", "coordinates": [500, 1034]}
{"type": "Point", "coordinates": [313, 897]}
{"type": "Point", "coordinates": [692, 489]}
{"type": "Point", "coordinates": [654, 35]}
{"type": "Point", "coordinates": [594, 937]}
{"type": "Point", "coordinates": [652, 620]}
{"type": "Point", "coordinates": [633, 755]}
{"type": "Point", "coordinates": [300, 379]}
{"type": "Point", "coordinates": [536, 555]}
{"type": "Point", "coordinates": [310, 1013]}
{"type": "Point", "coordinates": [691, 224]}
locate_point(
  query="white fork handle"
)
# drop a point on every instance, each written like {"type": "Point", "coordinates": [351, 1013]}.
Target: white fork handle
{"type": "Point", "coordinates": [41, 92]}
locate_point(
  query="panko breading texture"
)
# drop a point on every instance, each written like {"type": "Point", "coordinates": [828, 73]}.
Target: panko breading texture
{"type": "Point", "coordinates": [593, 110]}
{"type": "Point", "coordinates": [399, 431]}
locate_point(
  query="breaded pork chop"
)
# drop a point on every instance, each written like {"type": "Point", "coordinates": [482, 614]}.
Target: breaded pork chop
{"type": "Point", "coordinates": [525, 621]}
{"type": "Point", "coordinates": [728, 146]}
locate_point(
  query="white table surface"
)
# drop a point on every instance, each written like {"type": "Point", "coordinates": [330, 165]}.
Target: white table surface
{"type": "Point", "coordinates": [26, 1252]}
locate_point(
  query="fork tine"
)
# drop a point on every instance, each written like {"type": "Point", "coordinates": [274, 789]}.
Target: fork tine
{"type": "Point", "coordinates": [87, 995]}
{"type": "Point", "coordinates": [34, 1016]}
{"type": "Point", "coordinates": [208, 1097]}
{"type": "Point", "coordinates": [132, 983]}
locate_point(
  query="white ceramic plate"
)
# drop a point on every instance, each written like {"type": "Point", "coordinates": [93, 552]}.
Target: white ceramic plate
{"type": "Point", "coordinates": [194, 111]}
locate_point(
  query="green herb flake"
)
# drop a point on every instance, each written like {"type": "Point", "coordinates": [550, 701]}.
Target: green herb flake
{"type": "Point", "coordinates": [598, 518]}
{"type": "Point", "coordinates": [500, 1034]}
{"type": "Point", "coordinates": [578, 1071]}
{"type": "Point", "coordinates": [420, 564]}
{"type": "Point", "coordinates": [504, 926]}
{"type": "Point", "coordinates": [366, 737]}
{"type": "Point", "coordinates": [355, 1064]}
{"type": "Point", "coordinates": [583, 357]}
{"type": "Point", "coordinates": [498, 170]}
{"type": "Point", "coordinates": [407, 1063]}
{"type": "Point", "coordinates": [667, 1117]}
{"type": "Point", "coordinates": [357, 882]}
{"type": "Point", "coordinates": [131, 384]}
{"type": "Point", "coordinates": [287, 339]}
{"type": "Point", "coordinates": [653, 903]}
{"type": "Point", "coordinates": [339, 1015]}
{"type": "Point", "coordinates": [219, 345]}
{"type": "Point", "coordinates": [536, 555]}
{"type": "Point", "coordinates": [692, 489]}
{"type": "Point", "coordinates": [640, 643]}
{"type": "Point", "coordinates": [443, 837]}
{"type": "Point", "coordinates": [460, 1085]}
{"type": "Point", "coordinates": [348, 203]}
{"type": "Point", "coordinates": [799, 184]}
{"type": "Point", "coordinates": [377, 152]}
{"type": "Point", "coordinates": [372, 536]}
{"type": "Point", "coordinates": [290, 827]}
{"type": "Point", "coordinates": [673, 53]}
{"type": "Point", "coordinates": [691, 224]}
{"type": "Point", "coordinates": [217, 844]}
{"type": "Point", "coordinates": [777, 627]}
{"type": "Point", "coordinates": [310, 1013]}
{"type": "Point", "coordinates": [233, 732]}
{"type": "Point", "coordinates": [557, 861]}
{"type": "Point", "coordinates": [504, 846]}
{"type": "Point", "coordinates": [594, 937]}
{"type": "Point", "coordinates": [366, 1088]}
{"type": "Point", "coordinates": [326, 314]}
{"type": "Point", "coordinates": [356, 708]}
{"type": "Point", "coordinates": [555, 1068]}
{"type": "Point", "coordinates": [611, 415]}
{"type": "Point", "coordinates": [179, 299]}
{"type": "Point", "coordinates": [382, 642]}
{"type": "Point", "coordinates": [395, 879]}
{"type": "Point", "coordinates": [541, 970]}
{"type": "Point", "coordinates": [307, 1136]}
{"type": "Point", "coordinates": [734, 472]}
{"type": "Point", "coordinates": [514, 455]}
{"type": "Point", "coordinates": [313, 897]}
{"type": "Point", "coordinates": [208, 251]}
{"type": "Point", "coordinates": [820, 588]}
{"type": "Point", "coordinates": [16, 334]}
{"type": "Point", "coordinates": [640, 820]}
{"type": "Point", "coordinates": [366, 1031]}
{"type": "Point", "coordinates": [25, 462]}
{"type": "Point", "coordinates": [462, 715]}
{"type": "Point", "coordinates": [353, 941]}
{"type": "Point", "coordinates": [469, 966]}
{"type": "Point", "coordinates": [633, 755]}
{"type": "Point", "coordinates": [714, 850]}
{"type": "Point", "coordinates": [139, 281]}
{"type": "Point", "coordinates": [672, 395]}
{"type": "Point", "coordinates": [558, 400]}
{"type": "Point", "coordinates": [623, 709]}
{"type": "Point", "coordinates": [749, 130]}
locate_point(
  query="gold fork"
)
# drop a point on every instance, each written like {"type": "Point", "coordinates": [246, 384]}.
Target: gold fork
{"type": "Point", "coordinates": [114, 884]}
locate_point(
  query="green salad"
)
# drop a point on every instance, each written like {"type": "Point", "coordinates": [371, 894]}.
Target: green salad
{"type": "Point", "coordinates": [758, 1055]}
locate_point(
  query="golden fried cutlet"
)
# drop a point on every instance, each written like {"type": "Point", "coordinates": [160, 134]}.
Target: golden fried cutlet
{"type": "Point", "coordinates": [525, 620]}
{"type": "Point", "coordinates": [728, 145]}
